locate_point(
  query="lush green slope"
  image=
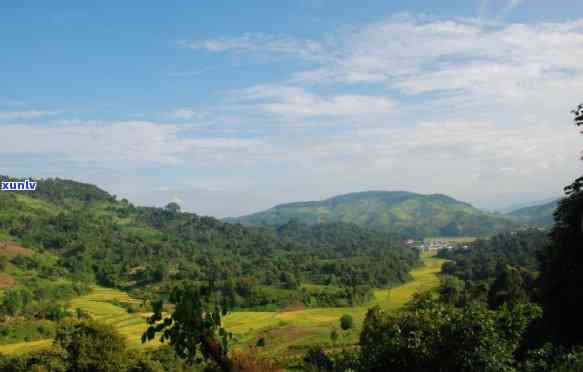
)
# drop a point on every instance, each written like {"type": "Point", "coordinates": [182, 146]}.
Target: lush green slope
{"type": "Point", "coordinates": [95, 238]}
{"type": "Point", "coordinates": [538, 215]}
{"type": "Point", "coordinates": [397, 211]}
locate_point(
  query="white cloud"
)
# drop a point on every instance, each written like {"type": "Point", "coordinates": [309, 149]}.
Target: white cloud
{"type": "Point", "coordinates": [469, 107]}
{"type": "Point", "coordinates": [260, 43]}
{"type": "Point", "coordinates": [290, 101]}
{"type": "Point", "coordinates": [475, 109]}
{"type": "Point", "coordinates": [120, 144]}
{"type": "Point", "coordinates": [185, 113]}
{"type": "Point", "coordinates": [28, 114]}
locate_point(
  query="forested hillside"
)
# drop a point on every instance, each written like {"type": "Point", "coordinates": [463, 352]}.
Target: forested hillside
{"type": "Point", "coordinates": [537, 215]}
{"type": "Point", "coordinates": [406, 213]}
{"type": "Point", "coordinates": [84, 233]}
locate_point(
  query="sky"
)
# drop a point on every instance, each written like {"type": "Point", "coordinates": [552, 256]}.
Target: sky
{"type": "Point", "coordinates": [230, 109]}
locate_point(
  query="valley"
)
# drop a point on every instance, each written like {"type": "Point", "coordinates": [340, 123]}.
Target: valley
{"type": "Point", "coordinates": [286, 332]}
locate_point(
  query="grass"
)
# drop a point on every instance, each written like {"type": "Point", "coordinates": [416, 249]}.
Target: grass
{"type": "Point", "coordinates": [309, 326]}
{"type": "Point", "coordinates": [280, 329]}
{"type": "Point", "coordinates": [98, 306]}
{"type": "Point", "coordinates": [36, 205]}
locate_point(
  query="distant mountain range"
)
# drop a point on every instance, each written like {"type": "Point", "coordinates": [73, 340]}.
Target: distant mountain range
{"type": "Point", "coordinates": [538, 215]}
{"type": "Point", "coordinates": [391, 211]}
{"type": "Point", "coordinates": [520, 205]}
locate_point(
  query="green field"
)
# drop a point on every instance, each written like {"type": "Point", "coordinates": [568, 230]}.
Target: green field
{"type": "Point", "coordinates": [309, 326]}
{"type": "Point", "coordinates": [280, 329]}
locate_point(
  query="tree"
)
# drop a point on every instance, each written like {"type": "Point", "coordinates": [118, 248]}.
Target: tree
{"type": "Point", "coordinates": [440, 337]}
{"type": "Point", "coordinates": [317, 360]}
{"type": "Point", "coordinates": [194, 326]}
{"type": "Point", "coordinates": [51, 359]}
{"type": "Point", "coordinates": [561, 262]}
{"type": "Point", "coordinates": [346, 322]}
{"type": "Point", "coordinates": [173, 207]}
{"type": "Point", "coordinates": [511, 286]}
{"type": "Point", "coordinates": [92, 346]}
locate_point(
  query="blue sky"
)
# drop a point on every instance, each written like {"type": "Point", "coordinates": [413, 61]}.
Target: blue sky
{"type": "Point", "coordinates": [229, 110]}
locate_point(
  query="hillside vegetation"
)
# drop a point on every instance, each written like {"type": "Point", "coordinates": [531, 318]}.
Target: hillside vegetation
{"type": "Point", "coordinates": [537, 215]}
{"type": "Point", "coordinates": [67, 237]}
{"type": "Point", "coordinates": [400, 212]}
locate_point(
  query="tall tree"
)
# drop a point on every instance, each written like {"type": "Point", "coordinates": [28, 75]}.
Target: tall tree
{"type": "Point", "coordinates": [194, 329]}
{"type": "Point", "coordinates": [562, 264]}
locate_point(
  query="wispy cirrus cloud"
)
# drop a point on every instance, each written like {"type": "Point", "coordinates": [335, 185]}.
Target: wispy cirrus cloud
{"type": "Point", "coordinates": [260, 43]}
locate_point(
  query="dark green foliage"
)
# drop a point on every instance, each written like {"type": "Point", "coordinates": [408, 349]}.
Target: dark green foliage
{"type": "Point", "coordinates": [151, 250]}
{"type": "Point", "coordinates": [92, 347]}
{"type": "Point", "coordinates": [51, 360]}
{"type": "Point", "coordinates": [316, 360]}
{"type": "Point", "coordinates": [346, 322]}
{"type": "Point", "coordinates": [444, 338]}
{"type": "Point", "coordinates": [141, 362]}
{"type": "Point", "coordinates": [484, 258]}
{"type": "Point", "coordinates": [495, 271]}
{"type": "Point", "coordinates": [166, 357]}
{"type": "Point", "coordinates": [512, 286]}
{"type": "Point", "coordinates": [173, 208]}
{"type": "Point", "coordinates": [40, 299]}
{"type": "Point", "coordinates": [562, 276]}
{"type": "Point", "coordinates": [194, 329]}
{"type": "Point", "coordinates": [260, 342]}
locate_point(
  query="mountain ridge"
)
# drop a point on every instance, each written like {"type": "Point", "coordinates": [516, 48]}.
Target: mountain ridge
{"type": "Point", "coordinates": [540, 215]}
{"type": "Point", "coordinates": [399, 211]}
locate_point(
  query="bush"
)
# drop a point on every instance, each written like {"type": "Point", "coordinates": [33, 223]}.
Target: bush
{"type": "Point", "coordinates": [317, 360]}
{"type": "Point", "coordinates": [92, 346]}
{"type": "Point", "coordinates": [346, 322]}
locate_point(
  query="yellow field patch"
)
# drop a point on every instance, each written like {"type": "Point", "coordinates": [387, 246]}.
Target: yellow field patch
{"type": "Point", "coordinates": [280, 329]}
{"type": "Point", "coordinates": [96, 304]}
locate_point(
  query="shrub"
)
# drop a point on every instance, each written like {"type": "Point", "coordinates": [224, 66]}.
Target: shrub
{"type": "Point", "coordinates": [346, 322]}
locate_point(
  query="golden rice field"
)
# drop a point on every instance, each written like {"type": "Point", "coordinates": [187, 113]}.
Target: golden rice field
{"type": "Point", "coordinates": [279, 329]}
{"type": "Point", "coordinates": [309, 326]}
{"type": "Point", "coordinates": [96, 304]}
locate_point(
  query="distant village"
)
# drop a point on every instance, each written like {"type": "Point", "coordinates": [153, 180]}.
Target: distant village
{"type": "Point", "coordinates": [435, 244]}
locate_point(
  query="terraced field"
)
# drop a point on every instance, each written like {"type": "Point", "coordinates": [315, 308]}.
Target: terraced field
{"type": "Point", "coordinates": [280, 329]}
{"type": "Point", "coordinates": [308, 326]}
{"type": "Point", "coordinates": [98, 304]}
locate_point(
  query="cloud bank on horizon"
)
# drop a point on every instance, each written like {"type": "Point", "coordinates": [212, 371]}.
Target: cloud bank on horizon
{"type": "Point", "coordinates": [473, 107]}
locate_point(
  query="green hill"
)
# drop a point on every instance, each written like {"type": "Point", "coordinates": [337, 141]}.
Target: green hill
{"type": "Point", "coordinates": [389, 211]}
{"type": "Point", "coordinates": [82, 234]}
{"type": "Point", "coordinates": [538, 215]}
